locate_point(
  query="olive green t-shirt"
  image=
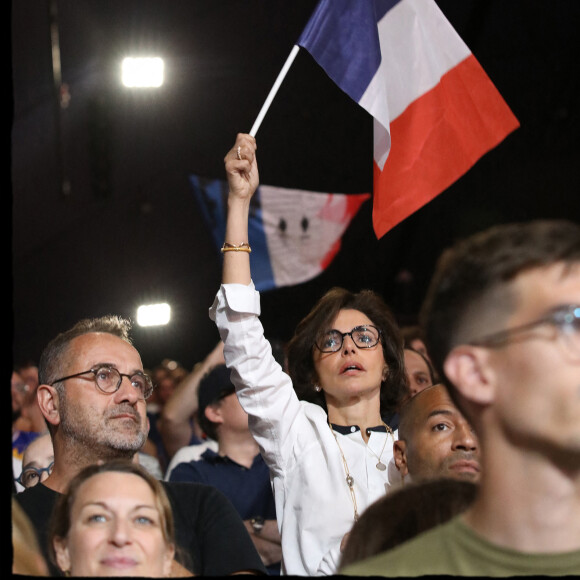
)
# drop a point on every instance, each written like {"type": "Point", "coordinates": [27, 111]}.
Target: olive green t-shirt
{"type": "Point", "coordinates": [454, 549]}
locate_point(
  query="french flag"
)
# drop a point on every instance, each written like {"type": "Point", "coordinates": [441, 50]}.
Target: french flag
{"type": "Point", "coordinates": [294, 234]}
{"type": "Point", "coordinates": [435, 110]}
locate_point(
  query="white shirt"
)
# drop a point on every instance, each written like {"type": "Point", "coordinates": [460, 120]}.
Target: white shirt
{"type": "Point", "coordinates": [314, 506]}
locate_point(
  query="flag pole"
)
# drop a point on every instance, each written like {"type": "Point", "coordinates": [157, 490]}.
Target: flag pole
{"type": "Point", "coordinates": [274, 90]}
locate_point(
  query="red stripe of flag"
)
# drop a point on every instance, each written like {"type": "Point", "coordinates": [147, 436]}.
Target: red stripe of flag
{"type": "Point", "coordinates": [436, 140]}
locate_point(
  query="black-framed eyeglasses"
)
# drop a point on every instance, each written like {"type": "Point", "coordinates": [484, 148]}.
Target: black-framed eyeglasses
{"type": "Point", "coordinates": [565, 319]}
{"type": "Point", "coordinates": [364, 336]}
{"type": "Point", "coordinates": [108, 380]}
{"type": "Point", "coordinates": [33, 475]}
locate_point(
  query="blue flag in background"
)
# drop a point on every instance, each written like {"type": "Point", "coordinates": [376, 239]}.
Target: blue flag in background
{"type": "Point", "coordinates": [294, 234]}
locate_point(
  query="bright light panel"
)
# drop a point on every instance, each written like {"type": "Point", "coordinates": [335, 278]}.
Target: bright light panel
{"type": "Point", "coordinates": [153, 314]}
{"type": "Point", "coordinates": [142, 72]}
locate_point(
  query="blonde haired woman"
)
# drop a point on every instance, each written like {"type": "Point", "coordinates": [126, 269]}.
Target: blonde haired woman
{"type": "Point", "coordinates": [114, 520]}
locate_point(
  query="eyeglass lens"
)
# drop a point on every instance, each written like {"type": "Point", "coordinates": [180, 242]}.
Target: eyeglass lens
{"type": "Point", "coordinates": [362, 336]}
{"type": "Point", "coordinates": [109, 380]}
{"type": "Point", "coordinates": [31, 476]}
{"type": "Point", "coordinates": [569, 324]}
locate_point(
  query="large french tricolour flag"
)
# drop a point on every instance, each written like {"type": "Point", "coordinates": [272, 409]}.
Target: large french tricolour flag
{"type": "Point", "coordinates": [294, 234]}
{"type": "Point", "coordinates": [435, 110]}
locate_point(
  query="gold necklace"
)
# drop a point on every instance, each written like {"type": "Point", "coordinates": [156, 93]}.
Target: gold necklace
{"type": "Point", "coordinates": [380, 465]}
{"type": "Point", "coordinates": [349, 477]}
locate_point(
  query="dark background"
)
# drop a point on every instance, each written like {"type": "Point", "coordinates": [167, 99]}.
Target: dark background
{"type": "Point", "coordinates": [127, 230]}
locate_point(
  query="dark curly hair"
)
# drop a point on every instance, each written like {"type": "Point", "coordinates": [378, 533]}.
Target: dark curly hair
{"type": "Point", "coordinates": [300, 348]}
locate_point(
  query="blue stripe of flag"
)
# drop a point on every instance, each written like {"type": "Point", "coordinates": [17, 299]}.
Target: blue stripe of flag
{"type": "Point", "coordinates": [211, 196]}
{"type": "Point", "coordinates": [342, 37]}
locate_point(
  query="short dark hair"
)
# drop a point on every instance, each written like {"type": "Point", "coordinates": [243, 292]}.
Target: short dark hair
{"type": "Point", "coordinates": [471, 285]}
{"type": "Point", "coordinates": [52, 357]}
{"type": "Point", "coordinates": [51, 365]}
{"type": "Point", "coordinates": [405, 513]}
{"type": "Point", "coordinates": [300, 348]}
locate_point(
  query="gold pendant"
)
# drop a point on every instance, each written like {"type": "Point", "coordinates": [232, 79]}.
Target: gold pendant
{"type": "Point", "coordinates": [381, 466]}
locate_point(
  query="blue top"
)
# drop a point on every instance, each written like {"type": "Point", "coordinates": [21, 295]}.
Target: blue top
{"type": "Point", "coordinates": [248, 489]}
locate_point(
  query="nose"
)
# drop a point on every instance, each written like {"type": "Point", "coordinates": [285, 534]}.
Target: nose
{"type": "Point", "coordinates": [348, 343]}
{"type": "Point", "coordinates": [120, 535]}
{"type": "Point", "coordinates": [464, 438]}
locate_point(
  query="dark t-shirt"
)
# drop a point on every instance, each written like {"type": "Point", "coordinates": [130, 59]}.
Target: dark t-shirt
{"type": "Point", "coordinates": [207, 527]}
{"type": "Point", "coordinates": [249, 490]}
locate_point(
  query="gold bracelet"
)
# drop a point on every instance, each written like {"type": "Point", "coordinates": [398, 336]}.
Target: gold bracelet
{"type": "Point", "coordinates": [243, 247]}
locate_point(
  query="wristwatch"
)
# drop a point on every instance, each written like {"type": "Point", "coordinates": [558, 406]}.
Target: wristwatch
{"type": "Point", "coordinates": [257, 523]}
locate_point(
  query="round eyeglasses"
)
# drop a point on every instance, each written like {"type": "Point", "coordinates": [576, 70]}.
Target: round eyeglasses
{"type": "Point", "coordinates": [565, 319]}
{"type": "Point", "coordinates": [33, 475]}
{"type": "Point", "coordinates": [365, 336]}
{"type": "Point", "coordinates": [108, 380]}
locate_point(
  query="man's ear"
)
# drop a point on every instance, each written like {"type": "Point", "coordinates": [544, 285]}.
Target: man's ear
{"type": "Point", "coordinates": [48, 402]}
{"type": "Point", "coordinates": [400, 456]}
{"type": "Point", "coordinates": [467, 367]}
{"type": "Point", "coordinates": [213, 413]}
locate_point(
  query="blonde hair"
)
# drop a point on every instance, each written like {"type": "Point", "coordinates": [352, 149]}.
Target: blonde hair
{"type": "Point", "coordinates": [27, 556]}
{"type": "Point", "coordinates": [61, 517]}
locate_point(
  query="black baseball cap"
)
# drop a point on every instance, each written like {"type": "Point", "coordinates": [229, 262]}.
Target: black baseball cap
{"type": "Point", "coordinates": [214, 386]}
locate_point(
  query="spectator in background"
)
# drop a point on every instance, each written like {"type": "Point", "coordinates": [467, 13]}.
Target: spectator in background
{"type": "Point", "coordinates": [115, 519]}
{"type": "Point", "coordinates": [177, 424]}
{"type": "Point", "coordinates": [435, 440]}
{"type": "Point", "coordinates": [29, 373]}
{"type": "Point", "coordinates": [27, 419]}
{"type": "Point", "coordinates": [166, 376]}
{"type": "Point", "coordinates": [37, 462]}
{"type": "Point", "coordinates": [420, 375]}
{"type": "Point", "coordinates": [413, 338]}
{"type": "Point", "coordinates": [419, 371]}
{"type": "Point", "coordinates": [92, 394]}
{"type": "Point", "coordinates": [180, 421]}
{"type": "Point", "coordinates": [237, 468]}
{"type": "Point", "coordinates": [26, 414]}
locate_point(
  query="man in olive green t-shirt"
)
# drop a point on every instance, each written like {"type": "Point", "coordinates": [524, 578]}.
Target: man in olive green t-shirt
{"type": "Point", "coordinates": [502, 326]}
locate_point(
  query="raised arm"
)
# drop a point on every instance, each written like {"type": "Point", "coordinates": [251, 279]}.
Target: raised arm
{"type": "Point", "coordinates": [242, 173]}
{"type": "Point", "coordinates": [175, 423]}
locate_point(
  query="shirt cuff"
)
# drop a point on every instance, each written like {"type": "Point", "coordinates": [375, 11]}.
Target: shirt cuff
{"type": "Point", "coordinates": [239, 298]}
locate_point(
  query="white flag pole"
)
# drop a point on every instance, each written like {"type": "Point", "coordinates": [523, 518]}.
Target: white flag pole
{"type": "Point", "coordinates": [274, 90]}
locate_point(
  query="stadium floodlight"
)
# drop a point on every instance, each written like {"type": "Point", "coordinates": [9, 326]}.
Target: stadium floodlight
{"type": "Point", "coordinates": [153, 314]}
{"type": "Point", "coordinates": [142, 72]}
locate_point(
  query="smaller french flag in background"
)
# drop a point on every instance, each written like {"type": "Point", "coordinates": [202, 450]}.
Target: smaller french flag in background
{"type": "Point", "coordinates": [294, 234]}
{"type": "Point", "coordinates": [436, 112]}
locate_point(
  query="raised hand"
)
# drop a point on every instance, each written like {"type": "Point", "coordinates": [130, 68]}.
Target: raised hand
{"type": "Point", "coordinates": [242, 168]}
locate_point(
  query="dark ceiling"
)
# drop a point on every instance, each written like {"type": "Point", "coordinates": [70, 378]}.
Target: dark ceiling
{"type": "Point", "coordinates": [126, 228]}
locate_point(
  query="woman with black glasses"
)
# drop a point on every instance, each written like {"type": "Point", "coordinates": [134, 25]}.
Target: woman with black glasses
{"type": "Point", "coordinates": [319, 427]}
